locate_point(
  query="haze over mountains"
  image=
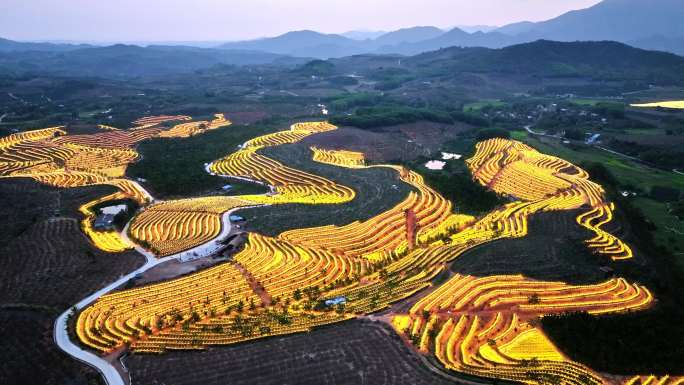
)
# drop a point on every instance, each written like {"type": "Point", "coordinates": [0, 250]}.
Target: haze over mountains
{"type": "Point", "coordinates": [653, 24]}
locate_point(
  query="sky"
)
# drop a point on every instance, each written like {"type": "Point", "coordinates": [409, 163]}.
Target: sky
{"type": "Point", "coordinates": [230, 20]}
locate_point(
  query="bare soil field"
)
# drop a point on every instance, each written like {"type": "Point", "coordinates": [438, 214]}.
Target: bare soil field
{"type": "Point", "coordinates": [354, 352]}
{"type": "Point", "coordinates": [386, 144]}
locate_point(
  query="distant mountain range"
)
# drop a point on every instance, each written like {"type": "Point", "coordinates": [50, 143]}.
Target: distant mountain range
{"type": "Point", "coordinates": [596, 61]}
{"type": "Point", "coordinates": [128, 61]}
{"type": "Point", "coordinates": [13, 46]}
{"type": "Point", "coordinates": [604, 60]}
{"type": "Point", "coordinates": [652, 24]}
{"type": "Point", "coordinates": [371, 35]}
{"type": "Point", "coordinates": [363, 35]}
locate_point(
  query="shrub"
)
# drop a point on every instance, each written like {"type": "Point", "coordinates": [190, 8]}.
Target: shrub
{"type": "Point", "coordinates": [489, 133]}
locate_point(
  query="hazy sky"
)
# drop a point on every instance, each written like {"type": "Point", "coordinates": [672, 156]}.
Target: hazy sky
{"type": "Point", "coordinates": [158, 20]}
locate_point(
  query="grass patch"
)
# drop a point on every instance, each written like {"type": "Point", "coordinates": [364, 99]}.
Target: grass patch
{"type": "Point", "coordinates": [645, 131]}
{"type": "Point", "coordinates": [377, 190]}
{"type": "Point", "coordinates": [627, 172]}
{"type": "Point", "coordinates": [595, 102]}
{"type": "Point", "coordinates": [670, 230]}
{"type": "Point", "coordinates": [477, 106]}
{"type": "Point", "coordinates": [519, 135]}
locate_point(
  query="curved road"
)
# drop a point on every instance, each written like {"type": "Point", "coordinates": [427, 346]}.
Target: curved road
{"type": "Point", "coordinates": [532, 132]}
{"type": "Point", "coordinates": [61, 335]}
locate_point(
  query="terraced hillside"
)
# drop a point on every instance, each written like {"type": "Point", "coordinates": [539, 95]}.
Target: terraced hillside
{"type": "Point", "coordinates": [483, 326]}
{"type": "Point", "coordinates": [377, 190]}
{"type": "Point", "coordinates": [54, 158]}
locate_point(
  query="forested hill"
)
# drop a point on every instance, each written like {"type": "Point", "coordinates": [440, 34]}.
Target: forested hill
{"type": "Point", "coordinates": [595, 60]}
{"type": "Point", "coordinates": [600, 60]}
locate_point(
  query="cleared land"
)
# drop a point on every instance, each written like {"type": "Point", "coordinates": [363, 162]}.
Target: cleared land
{"type": "Point", "coordinates": [46, 265]}
{"type": "Point", "coordinates": [354, 352]}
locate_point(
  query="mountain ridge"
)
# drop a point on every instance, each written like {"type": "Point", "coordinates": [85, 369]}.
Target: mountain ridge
{"type": "Point", "coordinates": [651, 25]}
{"type": "Point", "coordinates": [655, 24]}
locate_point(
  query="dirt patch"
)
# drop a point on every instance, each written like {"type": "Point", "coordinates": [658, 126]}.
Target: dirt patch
{"type": "Point", "coordinates": [386, 144]}
{"type": "Point", "coordinates": [174, 269]}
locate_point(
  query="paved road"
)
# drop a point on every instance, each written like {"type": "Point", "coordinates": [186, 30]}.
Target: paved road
{"type": "Point", "coordinates": [110, 373]}
{"type": "Point", "coordinates": [61, 335]}
{"type": "Point", "coordinates": [529, 129]}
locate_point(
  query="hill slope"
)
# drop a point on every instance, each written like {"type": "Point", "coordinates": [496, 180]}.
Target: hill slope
{"type": "Point", "coordinates": [125, 61]}
{"type": "Point", "coordinates": [600, 60]}
{"type": "Point", "coordinates": [302, 43]}
{"type": "Point", "coordinates": [628, 21]}
{"type": "Point", "coordinates": [16, 46]}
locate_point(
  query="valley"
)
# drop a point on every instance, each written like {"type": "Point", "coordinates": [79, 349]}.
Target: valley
{"type": "Point", "coordinates": [499, 202]}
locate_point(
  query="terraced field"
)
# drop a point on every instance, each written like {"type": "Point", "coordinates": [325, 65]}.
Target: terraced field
{"type": "Point", "coordinates": [303, 278]}
{"type": "Point", "coordinates": [54, 158]}
{"type": "Point", "coordinates": [377, 190]}
{"type": "Point", "coordinates": [676, 104]}
{"type": "Point", "coordinates": [174, 226]}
